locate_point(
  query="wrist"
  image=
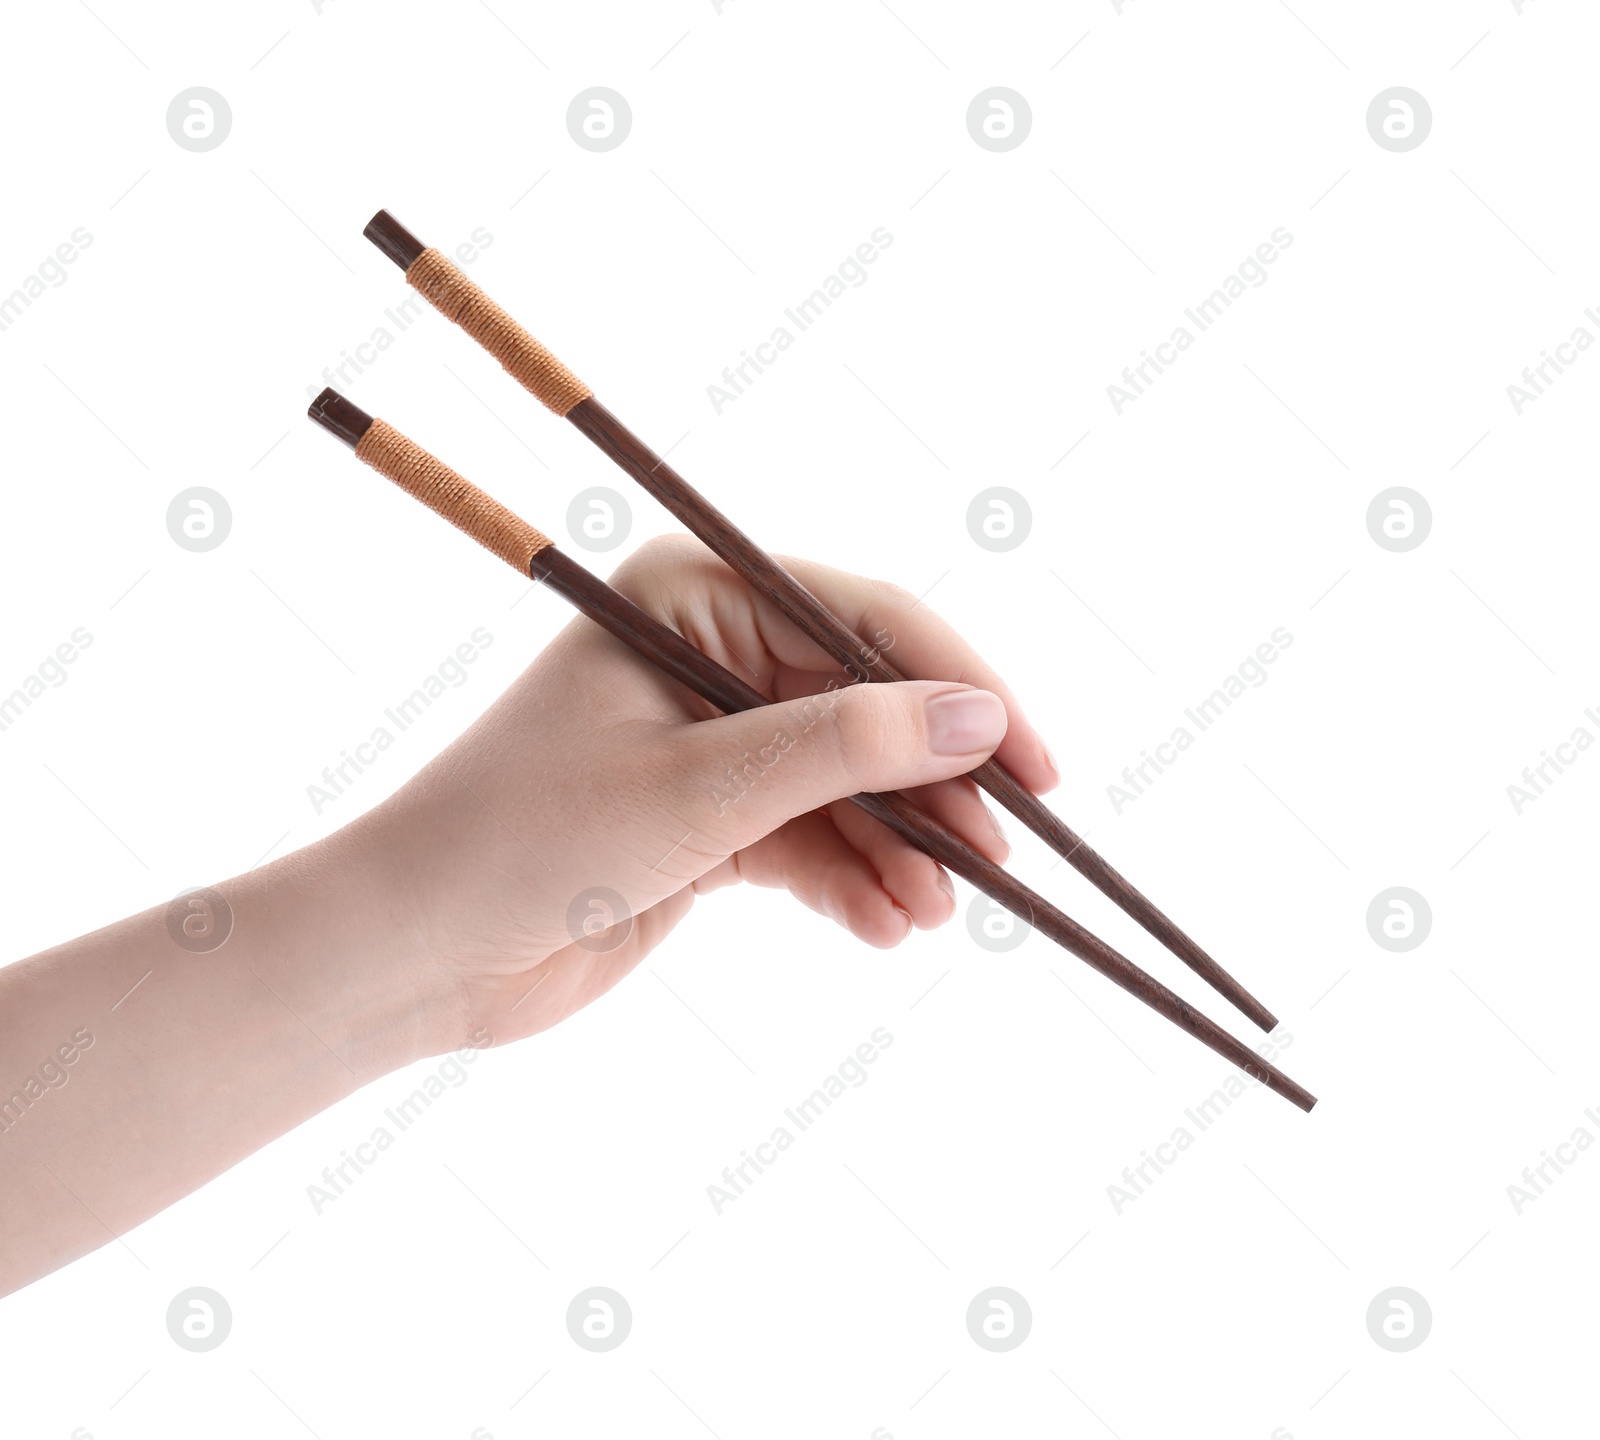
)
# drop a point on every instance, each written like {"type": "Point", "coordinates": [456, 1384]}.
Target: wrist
{"type": "Point", "coordinates": [342, 951]}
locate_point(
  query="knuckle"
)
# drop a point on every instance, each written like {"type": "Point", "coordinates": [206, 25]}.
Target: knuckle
{"type": "Point", "coordinates": [889, 596]}
{"type": "Point", "coordinates": [641, 557]}
{"type": "Point", "coordinates": [865, 724]}
{"type": "Point", "coordinates": [639, 575]}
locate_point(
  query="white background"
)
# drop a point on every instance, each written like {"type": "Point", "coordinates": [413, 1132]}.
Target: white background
{"type": "Point", "coordinates": [1231, 499]}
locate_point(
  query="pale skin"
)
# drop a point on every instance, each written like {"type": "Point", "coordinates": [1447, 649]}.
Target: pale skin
{"type": "Point", "coordinates": [441, 918]}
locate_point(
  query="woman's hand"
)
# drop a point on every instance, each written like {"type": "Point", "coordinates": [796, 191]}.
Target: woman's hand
{"type": "Point", "coordinates": [524, 872]}
{"type": "Point", "coordinates": [553, 846]}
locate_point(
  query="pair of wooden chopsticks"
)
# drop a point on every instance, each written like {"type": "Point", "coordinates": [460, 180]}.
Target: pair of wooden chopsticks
{"type": "Point", "coordinates": [464, 303]}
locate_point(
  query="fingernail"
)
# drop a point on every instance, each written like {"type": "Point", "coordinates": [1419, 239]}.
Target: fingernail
{"type": "Point", "coordinates": [1050, 760]}
{"type": "Point", "coordinates": [962, 721]}
{"type": "Point", "coordinates": [906, 916]}
{"type": "Point", "coordinates": [999, 829]}
{"type": "Point", "coordinates": [949, 890]}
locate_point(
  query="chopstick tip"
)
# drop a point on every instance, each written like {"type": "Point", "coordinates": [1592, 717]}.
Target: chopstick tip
{"type": "Point", "coordinates": [1301, 1097]}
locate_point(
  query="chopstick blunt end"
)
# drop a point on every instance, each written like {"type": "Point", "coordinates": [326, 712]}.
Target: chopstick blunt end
{"type": "Point", "coordinates": [391, 237]}
{"type": "Point", "coordinates": [340, 417]}
{"type": "Point", "coordinates": [442, 490]}
{"type": "Point", "coordinates": [441, 282]}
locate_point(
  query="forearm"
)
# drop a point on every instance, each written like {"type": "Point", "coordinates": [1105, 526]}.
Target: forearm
{"type": "Point", "coordinates": [133, 1070]}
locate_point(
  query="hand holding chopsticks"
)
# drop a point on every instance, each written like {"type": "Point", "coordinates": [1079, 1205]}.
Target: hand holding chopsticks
{"type": "Point", "coordinates": [528, 551]}
{"type": "Point", "coordinates": [460, 300]}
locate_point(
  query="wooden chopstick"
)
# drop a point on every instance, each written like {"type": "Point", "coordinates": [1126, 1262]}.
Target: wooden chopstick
{"type": "Point", "coordinates": [443, 285]}
{"type": "Point", "coordinates": [528, 551]}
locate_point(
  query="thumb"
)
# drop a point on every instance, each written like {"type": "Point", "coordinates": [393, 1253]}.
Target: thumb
{"type": "Point", "coordinates": [740, 777]}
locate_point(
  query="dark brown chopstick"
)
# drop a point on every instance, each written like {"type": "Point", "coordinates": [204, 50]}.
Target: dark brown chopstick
{"type": "Point", "coordinates": [526, 550]}
{"type": "Point", "coordinates": [463, 302]}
